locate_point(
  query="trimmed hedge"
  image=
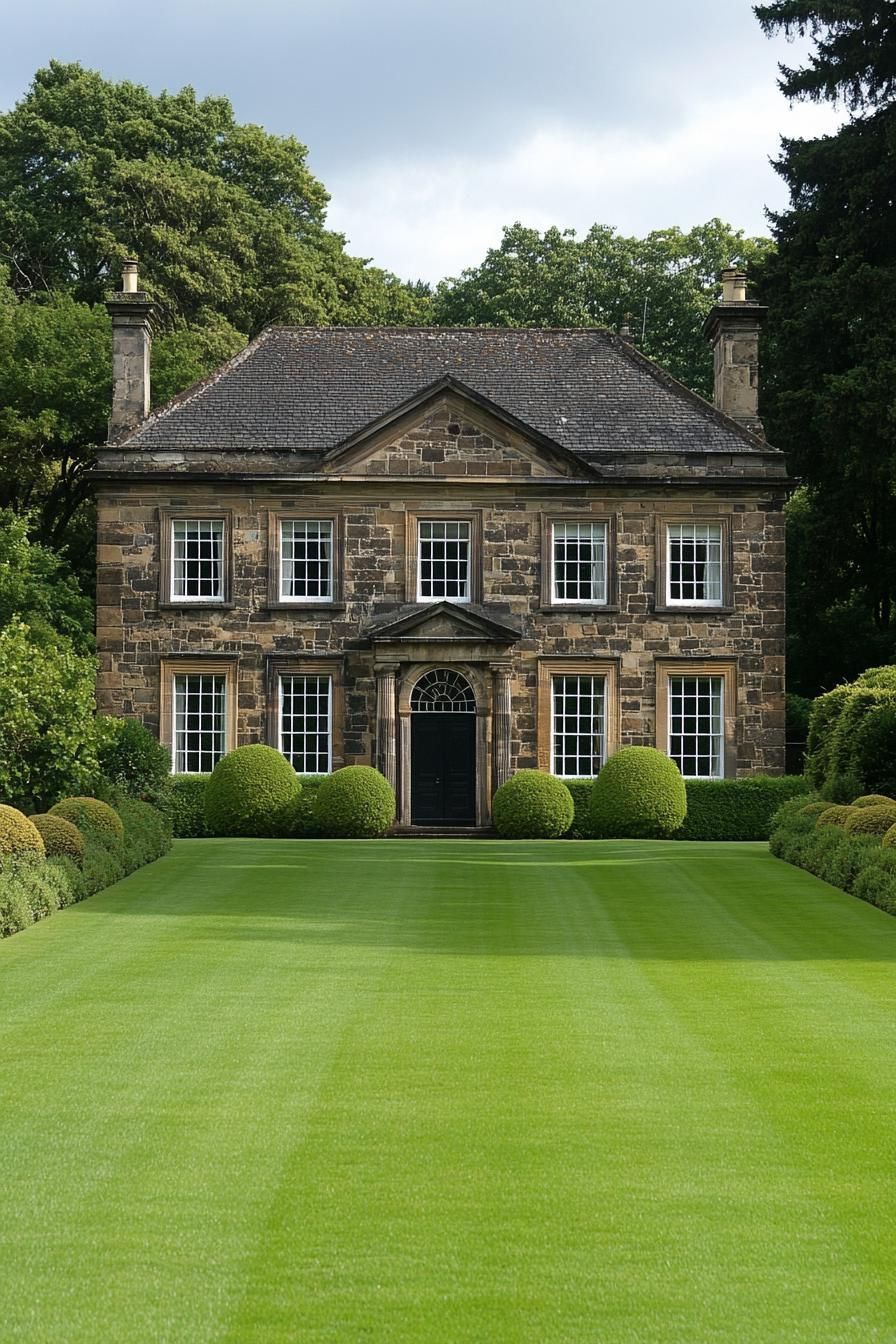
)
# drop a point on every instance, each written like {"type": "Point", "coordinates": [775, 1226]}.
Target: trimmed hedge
{"type": "Point", "coordinates": [737, 809]}
{"type": "Point", "coordinates": [532, 805]}
{"type": "Point", "coordinates": [838, 814]}
{"type": "Point", "coordinates": [856, 863]}
{"type": "Point", "coordinates": [355, 803]}
{"type": "Point", "coordinates": [184, 806]}
{"type": "Point", "coordinates": [304, 824]}
{"type": "Point", "coordinates": [851, 748]}
{"type": "Point", "coordinates": [873, 800]}
{"type": "Point", "coordinates": [871, 820]}
{"type": "Point", "coordinates": [580, 793]}
{"type": "Point", "coordinates": [638, 795]}
{"type": "Point", "coordinates": [252, 791]}
{"type": "Point", "coordinates": [18, 834]}
{"type": "Point", "coordinates": [90, 814]}
{"type": "Point", "coordinates": [60, 837]}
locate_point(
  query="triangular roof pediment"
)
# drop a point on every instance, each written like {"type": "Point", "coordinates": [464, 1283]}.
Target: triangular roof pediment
{"type": "Point", "coordinates": [519, 439]}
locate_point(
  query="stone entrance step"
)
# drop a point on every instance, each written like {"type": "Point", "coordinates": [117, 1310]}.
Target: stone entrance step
{"type": "Point", "coordinates": [443, 833]}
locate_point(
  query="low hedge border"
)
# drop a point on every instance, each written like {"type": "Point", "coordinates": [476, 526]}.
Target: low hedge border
{"type": "Point", "coordinates": [718, 809]}
{"type": "Point", "coordinates": [33, 887]}
{"type": "Point", "coordinates": [857, 863]}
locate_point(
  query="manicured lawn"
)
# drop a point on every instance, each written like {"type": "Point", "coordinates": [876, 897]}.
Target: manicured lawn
{"type": "Point", "coordinates": [408, 1091]}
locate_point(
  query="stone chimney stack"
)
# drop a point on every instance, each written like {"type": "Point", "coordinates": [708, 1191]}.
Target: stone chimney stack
{"type": "Point", "coordinates": [732, 329]}
{"type": "Point", "coordinates": [130, 310]}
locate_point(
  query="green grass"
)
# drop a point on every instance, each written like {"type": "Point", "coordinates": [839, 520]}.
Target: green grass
{"type": "Point", "coordinates": [622, 1093]}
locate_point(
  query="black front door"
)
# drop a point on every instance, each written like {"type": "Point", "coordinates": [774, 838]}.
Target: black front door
{"type": "Point", "coordinates": [443, 769]}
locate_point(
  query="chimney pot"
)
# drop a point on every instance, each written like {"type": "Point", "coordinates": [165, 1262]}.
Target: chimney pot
{"type": "Point", "coordinates": [129, 283]}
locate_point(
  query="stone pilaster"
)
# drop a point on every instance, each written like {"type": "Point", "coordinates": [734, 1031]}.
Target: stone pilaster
{"type": "Point", "coordinates": [501, 723]}
{"type": "Point", "coordinates": [386, 722]}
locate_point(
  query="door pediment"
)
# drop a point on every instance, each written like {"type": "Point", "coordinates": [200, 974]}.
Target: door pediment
{"type": "Point", "coordinates": [444, 623]}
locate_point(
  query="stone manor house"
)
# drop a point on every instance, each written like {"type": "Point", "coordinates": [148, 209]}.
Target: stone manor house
{"type": "Point", "coordinates": [450, 553]}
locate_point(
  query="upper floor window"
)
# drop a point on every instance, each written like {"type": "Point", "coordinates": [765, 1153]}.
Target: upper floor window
{"type": "Point", "coordinates": [443, 560]}
{"type": "Point", "coordinates": [694, 564]}
{"type": "Point", "coordinates": [306, 560]}
{"type": "Point", "coordinates": [197, 559]}
{"type": "Point", "coordinates": [579, 562]}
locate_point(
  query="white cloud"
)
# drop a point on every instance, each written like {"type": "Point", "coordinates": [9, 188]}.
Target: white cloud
{"type": "Point", "coordinates": [430, 217]}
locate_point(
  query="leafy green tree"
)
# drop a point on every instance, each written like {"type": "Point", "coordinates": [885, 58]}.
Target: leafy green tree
{"type": "Point", "coordinates": [667, 281]}
{"type": "Point", "coordinates": [47, 739]}
{"type": "Point", "coordinates": [224, 217]}
{"type": "Point", "coordinates": [37, 588]}
{"type": "Point", "coordinates": [830, 391]}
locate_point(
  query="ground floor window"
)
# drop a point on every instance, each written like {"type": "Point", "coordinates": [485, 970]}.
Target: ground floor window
{"type": "Point", "coordinates": [697, 726]}
{"type": "Point", "coordinates": [306, 722]}
{"type": "Point", "coordinates": [578, 734]}
{"type": "Point", "coordinates": [200, 718]}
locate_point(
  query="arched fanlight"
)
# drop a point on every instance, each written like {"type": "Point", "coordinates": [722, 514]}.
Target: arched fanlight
{"type": "Point", "coordinates": [444, 691]}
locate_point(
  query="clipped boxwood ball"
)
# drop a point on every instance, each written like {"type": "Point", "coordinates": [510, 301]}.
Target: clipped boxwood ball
{"type": "Point", "coordinates": [356, 802]}
{"type": "Point", "coordinates": [90, 814]}
{"type": "Point", "coordinates": [814, 809]}
{"type": "Point", "coordinates": [874, 800]}
{"type": "Point", "coordinates": [18, 834]}
{"type": "Point", "coordinates": [251, 791]}
{"type": "Point", "coordinates": [871, 820]}
{"type": "Point", "coordinates": [836, 815]}
{"type": "Point", "coordinates": [638, 795]}
{"type": "Point", "coordinates": [60, 837]}
{"type": "Point", "coordinates": [532, 805]}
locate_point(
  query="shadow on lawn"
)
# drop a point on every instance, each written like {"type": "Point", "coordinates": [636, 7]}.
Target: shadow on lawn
{"type": "Point", "coordinates": [738, 910]}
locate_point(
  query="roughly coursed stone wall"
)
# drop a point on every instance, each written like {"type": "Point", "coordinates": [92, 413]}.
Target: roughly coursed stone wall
{"type": "Point", "coordinates": [135, 631]}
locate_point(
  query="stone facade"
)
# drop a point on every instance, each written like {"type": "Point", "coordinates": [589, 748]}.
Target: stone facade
{"type": "Point", "coordinates": [447, 455]}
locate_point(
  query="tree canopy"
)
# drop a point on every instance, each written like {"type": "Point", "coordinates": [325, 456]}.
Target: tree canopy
{"type": "Point", "coordinates": [830, 398]}
{"type": "Point", "coordinates": [667, 282]}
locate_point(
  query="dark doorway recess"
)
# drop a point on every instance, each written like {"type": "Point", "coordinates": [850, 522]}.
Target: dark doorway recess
{"type": "Point", "coordinates": [443, 769]}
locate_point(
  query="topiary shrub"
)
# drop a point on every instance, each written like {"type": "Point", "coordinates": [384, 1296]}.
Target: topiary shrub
{"type": "Point", "coordinates": [356, 802]}
{"type": "Point", "coordinates": [871, 820]}
{"type": "Point", "coordinates": [532, 805]}
{"type": "Point", "coordinates": [814, 809]}
{"type": "Point", "coordinates": [305, 825]}
{"type": "Point", "coordinates": [836, 815]}
{"type": "Point", "coordinates": [18, 834]}
{"type": "Point", "coordinates": [251, 791]}
{"type": "Point", "coordinates": [638, 795]}
{"type": "Point", "coordinates": [873, 800]}
{"type": "Point", "coordinates": [60, 837]}
{"type": "Point", "coordinates": [89, 814]}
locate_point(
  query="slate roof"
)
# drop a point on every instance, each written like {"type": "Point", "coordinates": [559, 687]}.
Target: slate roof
{"type": "Point", "coordinates": [305, 390]}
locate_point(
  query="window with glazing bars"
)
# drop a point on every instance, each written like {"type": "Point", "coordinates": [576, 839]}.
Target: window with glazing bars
{"type": "Point", "coordinates": [197, 569]}
{"type": "Point", "coordinates": [580, 562]}
{"type": "Point", "coordinates": [306, 723]}
{"type": "Point", "coordinates": [443, 560]}
{"type": "Point", "coordinates": [695, 562]}
{"type": "Point", "coordinates": [578, 732]}
{"type": "Point", "coordinates": [199, 722]}
{"type": "Point", "coordinates": [306, 559]}
{"type": "Point", "coordinates": [697, 726]}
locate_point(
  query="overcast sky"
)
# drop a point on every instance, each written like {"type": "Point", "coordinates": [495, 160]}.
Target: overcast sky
{"type": "Point", "coordinates": [434, 122]}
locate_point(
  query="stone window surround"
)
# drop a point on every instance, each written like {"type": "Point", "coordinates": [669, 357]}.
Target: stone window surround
{"type": "Point", "coordinates": [275, 602]}
{"type": "Point", "coordinates": [306, 665]}
{"type": "Point", "coordinates": [548, 602]}
{"type": "Point", "coordinates": [442, 515]}
{"type": "Point", "coordinates": [662, 605]}
{"type": "Point", "coordinates": [175, 664]}
{"type": "Point", "coordinates": [550, 666]}
{"type": "Point", "coordinates": [723, 667]}
{"type": "Point", "coordinates": [167, 515]}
